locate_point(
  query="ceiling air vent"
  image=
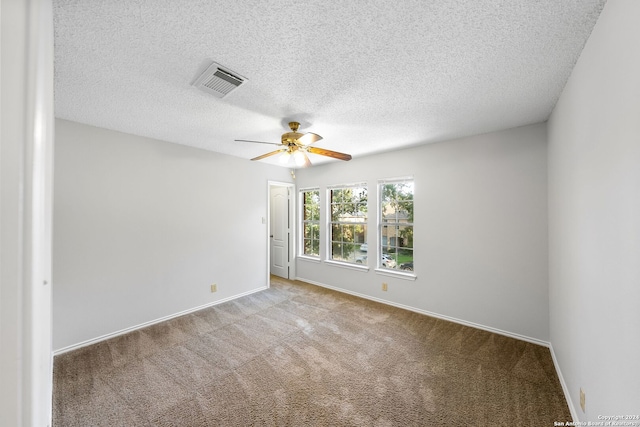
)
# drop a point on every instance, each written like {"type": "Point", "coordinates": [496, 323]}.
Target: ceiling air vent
{"type": "Point", "coordinates": [218, 81]}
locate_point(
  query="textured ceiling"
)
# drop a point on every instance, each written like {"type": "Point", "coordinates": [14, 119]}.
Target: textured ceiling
{"type": "Point", "coordinates": [368, 76]}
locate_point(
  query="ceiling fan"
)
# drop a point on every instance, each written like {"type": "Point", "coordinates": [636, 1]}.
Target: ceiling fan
{"type": "Point", "coordinates": [296, 145]}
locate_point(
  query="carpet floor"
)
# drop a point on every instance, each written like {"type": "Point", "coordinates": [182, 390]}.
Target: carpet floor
{"type": "Point", "coordinates": [301, 355]}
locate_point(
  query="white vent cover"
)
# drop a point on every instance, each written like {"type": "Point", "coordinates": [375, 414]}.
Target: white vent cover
{"type": "Point", "coordinates": [218, 80]}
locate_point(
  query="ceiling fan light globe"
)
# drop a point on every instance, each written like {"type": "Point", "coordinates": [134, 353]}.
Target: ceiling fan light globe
{"type": "Point", "coordinates": [298, 158]}
{"type": "Point", "coordinates": [284, 158]}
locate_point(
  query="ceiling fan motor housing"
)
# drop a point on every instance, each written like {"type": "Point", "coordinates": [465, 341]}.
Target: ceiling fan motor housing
{"type": "Point", "coordinates": [290, 138]}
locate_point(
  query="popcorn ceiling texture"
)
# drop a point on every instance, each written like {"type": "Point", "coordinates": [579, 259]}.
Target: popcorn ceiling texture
{"type": "Point", "coordinates": [368, 76]}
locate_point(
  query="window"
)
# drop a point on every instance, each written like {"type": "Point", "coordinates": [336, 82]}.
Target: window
{"type": "Point", "coordinates": [348, 225]}
{"type": "Point", "coordinates": [396, 224]}
{"type": "Point", "coordinates": [311, 222]}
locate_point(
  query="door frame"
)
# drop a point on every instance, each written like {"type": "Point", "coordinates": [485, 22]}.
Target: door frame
{"type": "Point", "coordinates": [292, 236]}
{"type": "Point", "coordinates": [26, 178]}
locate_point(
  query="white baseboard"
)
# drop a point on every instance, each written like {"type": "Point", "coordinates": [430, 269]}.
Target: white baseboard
{"type": "Point", "coordinates": [565, 389]}
{"type": "Point", "coordinates": [432, 314]}
{"type": "Point", "coordinates": [152, 322]}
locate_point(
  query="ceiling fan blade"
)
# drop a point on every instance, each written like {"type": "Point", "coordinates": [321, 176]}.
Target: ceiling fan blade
{"type": "Point", "coordinates": [273, 153]}
{"type": "Point", "coordinates": [329, 153]}
{"type": "Point", "coordinates": [259, 142]}
{"type": "Point", "coordinates": [309, 138]}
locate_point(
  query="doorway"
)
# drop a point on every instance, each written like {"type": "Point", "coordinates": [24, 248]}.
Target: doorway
{"type": "Point", "coordinates": [281, 229]}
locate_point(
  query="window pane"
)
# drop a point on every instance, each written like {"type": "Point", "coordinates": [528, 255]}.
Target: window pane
{"type": "Point", "coordinates": [405, 236]}
{"type": "Point", "coordinates": [349, 252]}
{"type": "Point", "coordinates": [336, 250]}
{"type": "Point", "coordinates": [347, 233]}
{"type": "Point", "coordinates": [388, 213]}
{"type": "Point", "coordinates": [335, 212]}
{"type": "Point", "coordinates": [348, 211]}
{"type": "Point", "coordinates": [388, 236]}
{"type": "Point", "coordinates": [335, 232]}
{"type": "Point", "coordinates": [392, 236]}
{"type": "Point", "coordinates": [308, 247]}
{"type": "Point", "coordinates": [388, 192]}
{"type": "Point", "coordinates": [360, 234]}
{"type": "Point", "coordinates": [312, 205]}
{"type": "Point", "coordinates": [396, 225]}
{"type": "Point", "coordinates": [405, 260]}
{"type": "Point", "coordinates": [405, 210]}
{"type": "Point", "coordinates": [311, 222]}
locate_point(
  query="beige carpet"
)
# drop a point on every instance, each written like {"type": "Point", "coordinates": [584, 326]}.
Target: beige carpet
{"type": "Point", "coordinates": [301, 355]}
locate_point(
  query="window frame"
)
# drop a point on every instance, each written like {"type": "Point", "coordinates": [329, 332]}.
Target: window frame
{"type": "Point", "coordinates": [395, 272]}
{"type": "Point", "coordinates": [304, 221]}
{"type": "Point", "coordinates": [331, 223]}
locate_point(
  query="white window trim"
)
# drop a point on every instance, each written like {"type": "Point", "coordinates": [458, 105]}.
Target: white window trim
{"type": "Point", "coordinates": [309, 258]}
{"type": "Point", "coordinates": [395, 273]}
{"type": "Point", "coordinates": [348, 265]}
{"type": "Point", "coordinates": [396, 180]}
{"type": "Point", "coordinates": [351, 185]}
{"type": "Point", "coordinates": [379, 269]}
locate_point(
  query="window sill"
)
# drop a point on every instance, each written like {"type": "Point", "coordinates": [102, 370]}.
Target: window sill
{"type": "Point", "coordinates": [309, 259]}
{"type": "Point", "coordinates": [398, 274]}
{"type": "Point", "coordinates": [358, 267]}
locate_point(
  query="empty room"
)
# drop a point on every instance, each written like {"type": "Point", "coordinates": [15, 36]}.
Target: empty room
{"type": "Point", "coordinates": [292, 213]}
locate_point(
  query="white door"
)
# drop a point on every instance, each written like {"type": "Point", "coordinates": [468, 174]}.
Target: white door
{"type": "Point", "coordinates": [280, 231]}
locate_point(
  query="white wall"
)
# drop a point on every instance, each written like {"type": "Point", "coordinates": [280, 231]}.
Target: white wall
{"type": "Point", "coordinates": [594, 219]}
{"type": "Point", "coordinates": [26, 154]}
{"type": "Point", "coordinates": [480, 229]}
{"type": "Point", "coordinates": [142, 228]}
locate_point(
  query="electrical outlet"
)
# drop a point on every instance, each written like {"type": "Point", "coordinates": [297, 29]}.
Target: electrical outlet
{"type": "Point", "coordinates": [214, 287]}
{"type": "Point", "coordinates": [384, 287]}
{"type": "Point", "coordinates": [582, 399]}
